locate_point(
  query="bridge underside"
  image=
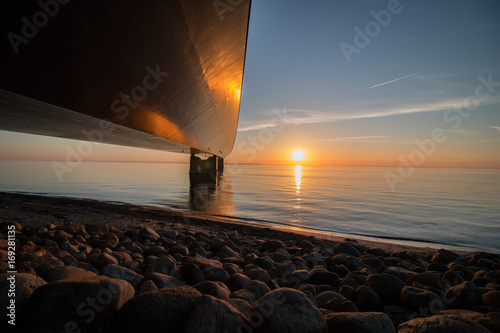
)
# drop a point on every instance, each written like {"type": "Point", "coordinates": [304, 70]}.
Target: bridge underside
{"type": "Point", "coordinates": [160, 74]}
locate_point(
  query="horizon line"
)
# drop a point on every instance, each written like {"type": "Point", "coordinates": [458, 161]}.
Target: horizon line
{"type": "Point", "coordinates": [265, 164]}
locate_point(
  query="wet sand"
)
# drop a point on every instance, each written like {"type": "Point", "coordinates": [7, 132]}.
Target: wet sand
{"type": "Point", "coordinates": [36, 210]}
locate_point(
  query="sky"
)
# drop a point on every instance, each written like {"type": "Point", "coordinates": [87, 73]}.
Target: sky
{"type": "Point", "coordinates": [354, 83]}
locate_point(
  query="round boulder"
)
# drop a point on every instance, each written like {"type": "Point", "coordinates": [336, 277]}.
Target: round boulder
{"type": "Point", "coordinates": [441, 324]}
{"type": "Point", "coordinates": [366, 322]}
{"type": "Point", "coordinates": [155, 311]}
{"type": "Point", "coordinates": [214, 315]}
{"type": "Point", "coordinates": [286, 310]}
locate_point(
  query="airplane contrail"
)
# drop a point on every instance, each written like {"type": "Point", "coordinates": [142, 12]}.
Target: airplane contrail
{"type": "Point", "coordinates": [404, 77]}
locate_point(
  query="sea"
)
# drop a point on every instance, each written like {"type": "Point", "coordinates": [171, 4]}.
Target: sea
{"type": "Point", "coordinates": [439, 208]}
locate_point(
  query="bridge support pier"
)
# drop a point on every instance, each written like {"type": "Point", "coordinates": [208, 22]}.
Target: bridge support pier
{"type": "Point", "coordinates": [208, 168]}
{"type": "Point", "coordinates": [220, 164]}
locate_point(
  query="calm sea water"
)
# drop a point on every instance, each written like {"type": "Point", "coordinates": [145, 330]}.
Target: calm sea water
{"type": "Point", "coordinates": [457, 209]}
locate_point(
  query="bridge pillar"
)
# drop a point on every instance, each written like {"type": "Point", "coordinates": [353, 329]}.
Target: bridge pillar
{"type": "Point", "coordinates": [208, 167]}
{"type": "Point", "coordinates": [220, 164]}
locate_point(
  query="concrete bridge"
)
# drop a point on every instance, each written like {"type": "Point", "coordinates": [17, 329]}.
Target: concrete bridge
{"type": "Point", "coordinates": [161, 74]}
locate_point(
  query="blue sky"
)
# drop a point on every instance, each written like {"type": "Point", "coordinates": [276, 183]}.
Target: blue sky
{"type": "Point", "coordinates": [350, 113]}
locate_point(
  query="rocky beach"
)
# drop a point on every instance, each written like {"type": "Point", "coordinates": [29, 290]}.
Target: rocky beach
{"type": "Point", "coordinates": [90, 266]}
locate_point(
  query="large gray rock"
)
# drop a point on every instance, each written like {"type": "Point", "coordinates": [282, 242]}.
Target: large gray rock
{"type": "Point", "coordinates": [85, 304]}
{"type": "Point", "coordinates": [366, 299]}
{"type": "Point", "coordinates": [44, 264]}
{"type": "Point", "coordinates": [216, 274]}
{"type": "Point", "coordinates": [149, 233]}
{"type": "Point", "coordinates": [281, 255]}
{"type": "Point", "coordinates": [427, 279]}
{"type": "Point", "coordinates": [212, 315]}
{"type": "Point", "coordinates": [164, 265]}
{"type": "Point", "coordinates": [444, 256]}
{"type": "Point", "coordinates": [118, 272]}
{"type": "Point", "coordinates": [398, 314]}
{"type": "Point", "coordinates": [468, 314]}
{"type": "Point", "coordinates": [104, 259]}
{"type": "Point", "coordinates": [214, 288]}
{"type": "Point", "coordinates": [192, 274]}
{"type": "Point", "coordinates": [69, 272]}
{"type": "Point", "coordinates": [464, 296]}
{"type": "Point", "coordinates": [272, 246]}
{"type": "Point", "coordinates": [258, 274]}
{"type": "Point", "coordinates": [365, 322]}
{"type": "Point", "coordinates": [252, 291]}
{"type": "Point", "coordinates": [401, 273]}
{"type": "Point", "coordinates": [492, 298]}
{"type": "Point", "coordinates": [237, 281]}
{"type": "Point", "coordinates": [375, 264]}
{"type": "Point", "coordinates": [322, 276]}
{"type": "Point", "coordinates": [347, 249]}
{"type": "Point", "coordinates": [441, 324]}
{"type": "Point", "coordinates": [228, 252]}
{"type": "Point", "coordinates": [162, 280]}
{"type": "Point", "coordinates": [25, 285]}
{"type": "Point", "coordinates": [354, 264]}
{"type": "Point", "coordinates": [286, 310]}
{"type": "Point", "coordinates": [242, 305]}
{"type": "Point", "coordinates": [341, 304]}
{"type": "Point", "coordinates": [323, 298]}
{"type": "Point", "coordinates": [202, 262]}
{"type": "Point", "coordinates": [164, 310]}
{"type": "Point", "coordinates": [282, 270]}
{"type": "Point", "coordinates": [491, 321]}
{"type": "Point", "coordinates": [416, 299]}
{"type": "Point", "coordinates": [451, 278]}
{"type": "Point", "coordinates": [387, 286]}
{"type": "Point", "coordinates": [298, 277]}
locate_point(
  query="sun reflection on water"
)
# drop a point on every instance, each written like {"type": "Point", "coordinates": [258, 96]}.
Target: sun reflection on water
{"type": "Point", "coordinates": [298, 178]}
{"type": "Point", "coordinates": [298, 181]}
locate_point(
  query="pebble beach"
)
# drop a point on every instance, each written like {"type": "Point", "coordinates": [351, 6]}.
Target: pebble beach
{"type": "Point", "coordinates": [90, 266]}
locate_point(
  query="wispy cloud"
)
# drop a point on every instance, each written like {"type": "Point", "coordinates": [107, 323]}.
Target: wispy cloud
{"type": "Point", "coordinates": [496, 127]}
{"type": "Point", "coordinates": [481, 141]}
{"type": "Point", "coordinates": [399, 78]}
{"type": "Point", "coordinates": [356, 138]}
{"type": "Point", "coordinates": [462, 132]}
{"type": "Point", "coordinates": [302, 116]}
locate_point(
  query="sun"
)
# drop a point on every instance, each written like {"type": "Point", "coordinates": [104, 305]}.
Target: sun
{"type": "Point", "coordinates": [298, 155]}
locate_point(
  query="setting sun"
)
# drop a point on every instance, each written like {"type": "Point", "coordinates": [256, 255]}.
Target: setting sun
{"type": "Point", "coordinates": [298, 155]}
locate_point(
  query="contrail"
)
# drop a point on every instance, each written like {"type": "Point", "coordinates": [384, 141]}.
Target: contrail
{"type": "Point", "coordinates": [404, 77]}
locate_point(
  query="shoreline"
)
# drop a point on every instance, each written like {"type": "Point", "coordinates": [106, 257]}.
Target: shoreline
{"type": "Point", "coordinates": [14, 206]}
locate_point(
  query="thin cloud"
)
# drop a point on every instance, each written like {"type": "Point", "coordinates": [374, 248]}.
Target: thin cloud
{"type": "Point", "coordinates": [304, 117]}
{"type": "Point", "coordinates": [473, 142]}
{"type": "Point", "coordinates": [400, 78]}
{"type": "Point", "coordinates": [496, 127]}
{"type": "Point", "coordinates": [356, 138]}
{"type": "Point", "coordinates": [462, 132]}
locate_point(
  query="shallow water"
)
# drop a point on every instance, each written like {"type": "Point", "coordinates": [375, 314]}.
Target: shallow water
{"type": "Point", "coordinates": [458, 209]}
